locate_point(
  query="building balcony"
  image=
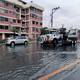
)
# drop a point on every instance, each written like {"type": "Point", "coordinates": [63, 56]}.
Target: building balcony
{"type": "Point", "coordinates": [23, 25]}
{"type": "Point", "coordinates": [16, 24]}
{"type": "Point", "coordinates": [7, 15]}
{"type": "Point", "coordinates": [1, 5]}
{"type": "Point", "coordinates": [7, 7]}
{"type": "Point", "coordinates": [38, 13]}
{"type": "Point", "coordinates": [36, 25]}
{"type": "Point", "coordinates": [23, 13]}
{"type": "Point", "coordinates": [23, 32]}
{"type": "Point", "coordinates": [4, 23]}
{"type": "Point", "coordinates": [36, 19]}
{"type": "Point", "coordinates": [23, 19]}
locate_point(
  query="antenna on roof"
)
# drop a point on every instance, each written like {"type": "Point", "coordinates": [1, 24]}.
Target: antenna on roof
{"type": "Point", "coordinates": [22, 1]}
{"type": "Point", "coordinates": [32, 1]}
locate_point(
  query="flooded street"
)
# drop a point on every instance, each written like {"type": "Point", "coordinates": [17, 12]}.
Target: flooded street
{"type": "Point", "coordinates": [29, 62]}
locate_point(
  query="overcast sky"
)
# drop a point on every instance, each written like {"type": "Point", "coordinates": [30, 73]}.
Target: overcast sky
{"type": "Point", "coordinates": [68, 14]}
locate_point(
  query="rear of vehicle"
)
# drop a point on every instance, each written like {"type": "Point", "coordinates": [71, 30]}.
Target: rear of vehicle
{"type": "Point", "coordinates": [72, 35]}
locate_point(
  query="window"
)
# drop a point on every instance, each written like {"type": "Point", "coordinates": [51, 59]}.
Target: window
{"type": "Point", "coordinates": [27, 17]}
{"type": "Point", "coordinates": [6, 19]}
{"type": "Point", "coordinates": [34, 16]}
{"type": "Point", "coordinates": [23, 24]}
{"type": "Point", "coordinates": [1, 11]}
{"type": "Point", "coordinates": [27, 10]}
{"type": "Point", "coordinates": [10, 20]}
{"type": "Point", "coordinates": [36, 29]}
{"type": "Point", "coordinates": [36, 23]}
{"type": "Point", "coordinates": [1, 27]}
{"type": "Point", "coordinates": [6, 4]}
{"type": "Point", "coordinates": [17, 15]}
{"type": "Point", "coordinates": [10, 11]}
{"type": "Point", "coordinates": [41, 24]}
{"type": "Point", "coordinates": [23, 17]}
{"type": "Point", "coordinates": [19, 21]}
{"type": "Point", "coordinates": [5, 11]}
{"type": "Point", "coordinates": [33, 22]}
{"type": "Point", "coordinates": [23, 37]}
{"type": "Point", "coordinates": [23, 11]}
{"type": "Point", "coordinates": [2, 19]}
{"type": "Point", "coordinates": [40, 18]}
{"type": "Point", "coordinates": [33, 29]}
{"type": "Point", "coordinates": [27, 24]}
{"type": "Point", "coordinates": [14, 13]}
{"type": "Point", "coordinates": [31, 8]}
{"type": "Point", "coordinates": [33, 36]}
{"type": "Point", "coordinates": [14, 21]}
{"type": "Point", "coordinates": [6, 27]}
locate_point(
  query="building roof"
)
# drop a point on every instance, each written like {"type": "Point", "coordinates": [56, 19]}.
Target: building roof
{"type": "Point", "coordinates": [5, 31]}
{"type": "Point", "coordinates": [20, 3]}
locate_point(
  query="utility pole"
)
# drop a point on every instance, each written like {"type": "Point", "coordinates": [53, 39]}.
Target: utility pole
{"type": "Point", "coordinates": [53, 11]}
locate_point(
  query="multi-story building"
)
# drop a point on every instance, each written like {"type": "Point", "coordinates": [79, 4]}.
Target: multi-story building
{"type": "Point", "coordinates": [24, 18]}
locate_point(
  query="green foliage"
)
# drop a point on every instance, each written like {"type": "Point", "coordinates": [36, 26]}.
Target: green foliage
{"type": "Point", "coordinates": [14, 29]}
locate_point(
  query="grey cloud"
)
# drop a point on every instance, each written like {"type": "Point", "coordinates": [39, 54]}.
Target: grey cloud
{"type": "Point", "coordinates": [69, 12]}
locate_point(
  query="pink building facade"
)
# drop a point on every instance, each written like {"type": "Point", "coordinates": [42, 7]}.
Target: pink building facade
{"type": "Point", "coordinates": [26, 18]}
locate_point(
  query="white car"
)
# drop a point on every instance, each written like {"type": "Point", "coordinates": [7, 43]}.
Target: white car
{"type": "Point", "coordinates": [17, 40]}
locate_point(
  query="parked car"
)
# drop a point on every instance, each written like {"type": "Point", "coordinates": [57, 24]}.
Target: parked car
{"type": "Point", "coordinates": [17, 40]}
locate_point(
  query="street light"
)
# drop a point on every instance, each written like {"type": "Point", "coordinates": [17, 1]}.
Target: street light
{"type": "Point", "coordinates": [53, 11]}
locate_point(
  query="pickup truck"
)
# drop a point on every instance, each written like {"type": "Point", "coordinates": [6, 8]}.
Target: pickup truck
{"type": "Point", "coordinates": [52, 36]}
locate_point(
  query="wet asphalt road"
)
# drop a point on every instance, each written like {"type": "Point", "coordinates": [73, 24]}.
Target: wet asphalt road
{"type": "Point", "coordinates": [28, 62]}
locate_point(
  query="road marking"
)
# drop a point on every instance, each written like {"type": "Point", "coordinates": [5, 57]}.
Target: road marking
{"type": "Point", "coordinates": [65, 67]}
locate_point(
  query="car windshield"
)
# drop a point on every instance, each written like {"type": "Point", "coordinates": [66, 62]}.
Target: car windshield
{"type": "Point", "coordinates": [10, 38]}
{"type": "Point", "coordinates": [54, 32]}
{"type": "Point", "coordinates": [17, 37]}
{"type": "Point", "coordinates": [20, 37]}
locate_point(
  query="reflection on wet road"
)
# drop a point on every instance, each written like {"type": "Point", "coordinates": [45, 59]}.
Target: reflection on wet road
{"type": "Point", "coordinates": [24, 62]}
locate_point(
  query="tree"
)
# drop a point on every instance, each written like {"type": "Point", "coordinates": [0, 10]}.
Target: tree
{"type": "Point", "coordinates": [15, 30]}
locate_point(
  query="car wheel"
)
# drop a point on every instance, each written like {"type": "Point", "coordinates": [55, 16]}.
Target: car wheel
{"type": "Point", "coordinates": [12, 44]}
{"type": "Point", "coordinates": [55, 41]}
{"type": "Point", "coordinates": [25, 43]}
